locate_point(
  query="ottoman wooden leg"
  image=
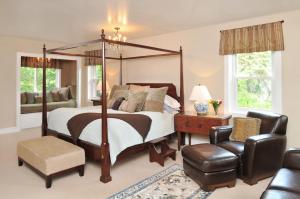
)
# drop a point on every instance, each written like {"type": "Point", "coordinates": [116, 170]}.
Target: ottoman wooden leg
{"type": "Point", "coordinates": [20, 161]}
{"type": "Point", "coordinates": [48, 181]}
{"type": "Point", "coordinates": [81, 170]}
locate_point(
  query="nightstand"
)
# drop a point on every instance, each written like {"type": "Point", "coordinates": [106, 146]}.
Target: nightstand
{"type": "Point", "coordinates": [96, 102]}
{"type": "Point", "coordinates": [192, 123]}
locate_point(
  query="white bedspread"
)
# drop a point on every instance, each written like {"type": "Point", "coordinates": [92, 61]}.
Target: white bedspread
{"type": "Point", "coordinates": [121, 135]}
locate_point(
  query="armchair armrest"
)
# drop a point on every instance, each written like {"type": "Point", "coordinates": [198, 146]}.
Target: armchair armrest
{"type": "Point", "coordinates": [292, 159]}
{"type": "Point", "coordinates": [219, 134]}
{"type": "Point", "coordinates": [263, 155]}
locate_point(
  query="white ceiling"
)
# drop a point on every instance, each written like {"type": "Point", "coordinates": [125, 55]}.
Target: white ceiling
{"type": "Point", "coordinates": [80, 20]}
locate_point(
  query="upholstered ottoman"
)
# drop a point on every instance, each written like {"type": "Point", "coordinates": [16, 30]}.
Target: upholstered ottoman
{"type": "Point", "coordinates": [210, 166]}
{"type": "Point", "coordinates": [50, 155]}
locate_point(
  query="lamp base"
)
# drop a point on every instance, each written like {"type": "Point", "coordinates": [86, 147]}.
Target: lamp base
{"type": "Point", "coordinates": [201, 108]}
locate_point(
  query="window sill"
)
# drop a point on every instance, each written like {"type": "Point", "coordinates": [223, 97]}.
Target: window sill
{"type": "Point", "coordinates": [243, 113]}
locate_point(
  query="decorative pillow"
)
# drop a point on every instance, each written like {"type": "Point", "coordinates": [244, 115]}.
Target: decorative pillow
{"type": "Point", "coordinates": [117, 103]}
{"type": "Point", "coordinates": [170, 109]}
{"type": "Point", "coordinates": [120, 93]}
{"type": "Point", "coordinates": [30, 97]}
{"type": "Point", "coordinates": [244, 127]}
{"type": "Point", "coordinates": [138, 98]}
{"type": "Point", "coordinates": [171, 102]}
{"type": "Point", "coordinates": [23, 98]}
{"type": "Point", "coordinates": [72, 91]}
{"type": "Point", "coordinates": [110, 102]}
{"type": "Point", "coordinates": [123, 106]}
{"type": "Point", "coordinates": [64, 93]}
{"type": "Point", "coordinates": [155, 99]}
{"type": "Point", "coordinates": [49, 97]}
{"type": "Point", "coordinates": [128, 106]}
{"type": "Point", "coordinates": [117, 88]}
{"type": "Point", "coordinates": [137, 88]}
{"type": "Point", "coordinates": [38, 99]}
{"type": "Point", "coordinates": [55, 96]}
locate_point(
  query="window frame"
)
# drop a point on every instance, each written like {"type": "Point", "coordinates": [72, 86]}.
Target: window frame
{"type": "Point", "coordinates": [92, 81]}
{"type": "Point", "coordinates": [35, 79]}
{"type": "Point", "coordinates": [231, 85]}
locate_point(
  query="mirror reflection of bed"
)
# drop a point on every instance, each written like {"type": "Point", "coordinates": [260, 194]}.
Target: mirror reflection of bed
{"type": "Point", "coordinates": [61, 87]}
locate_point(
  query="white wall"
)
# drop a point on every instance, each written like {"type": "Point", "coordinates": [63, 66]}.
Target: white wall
{"type": "Point", "coordinates": [202, 63]}
{"type": "Point", "coordinates": [9, 46]}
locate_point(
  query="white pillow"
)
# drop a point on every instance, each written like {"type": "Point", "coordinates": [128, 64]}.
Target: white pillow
{"type": "Point", "coordinates": [171, 102]}
{"type": "Point", "coordinates": [170, 109]}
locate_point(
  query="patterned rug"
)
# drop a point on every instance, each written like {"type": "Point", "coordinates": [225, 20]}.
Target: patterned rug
{"type": "Point", "coordinates": [170, 183]}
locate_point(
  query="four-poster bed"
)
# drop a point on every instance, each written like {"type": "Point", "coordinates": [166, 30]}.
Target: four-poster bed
{"type": "Point", "coordinates": [90, 149]}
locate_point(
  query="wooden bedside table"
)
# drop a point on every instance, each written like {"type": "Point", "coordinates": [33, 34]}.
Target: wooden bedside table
{"type": "Point", "coordinates": [96, 102]}
{"type": "Point", "coordinates": [192, 123]}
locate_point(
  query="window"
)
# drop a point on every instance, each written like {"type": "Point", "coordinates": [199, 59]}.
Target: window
{"type": "Point", "coordinates": [32, 79]}
{"type": "Point", "coordinates": [253, 82]}
{"type": "Point", "coordinates": [94, 76]}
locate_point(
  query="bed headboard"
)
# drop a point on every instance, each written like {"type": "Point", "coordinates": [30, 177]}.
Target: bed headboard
{"type": "Point", "coordinates": [171, 88]}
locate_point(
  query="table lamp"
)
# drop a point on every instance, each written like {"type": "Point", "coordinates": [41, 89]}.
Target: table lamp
{"type": "Point", "coordinates": [200, 96]}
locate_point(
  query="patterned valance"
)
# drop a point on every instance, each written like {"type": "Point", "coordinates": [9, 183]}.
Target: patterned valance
{"type": "Point", "coordinates": [264, 37]}
{"type": "Point", "coordinates": [37, 62]}
{"type": "Point", "coordinates": [94, 58]}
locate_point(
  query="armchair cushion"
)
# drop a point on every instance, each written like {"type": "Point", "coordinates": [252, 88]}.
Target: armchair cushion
{"type": "Point", "coordinates": [244, 127]}
{"type": "Point", "coordinates": [233, 146]}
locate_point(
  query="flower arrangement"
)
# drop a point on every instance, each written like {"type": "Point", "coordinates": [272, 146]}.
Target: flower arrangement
{"type": "Point", "coordinates": [216, 104]}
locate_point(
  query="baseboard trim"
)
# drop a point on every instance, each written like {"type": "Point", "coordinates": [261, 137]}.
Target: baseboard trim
{"type": "Point", "coordinates": [9, 130]}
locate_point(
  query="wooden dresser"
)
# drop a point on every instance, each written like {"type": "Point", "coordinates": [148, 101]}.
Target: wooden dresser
{"type": "Point", "coordinates": [192, 123]}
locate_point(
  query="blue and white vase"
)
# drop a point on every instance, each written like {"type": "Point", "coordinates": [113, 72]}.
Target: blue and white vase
{"type": "Point", "coordinates": [201, 108]}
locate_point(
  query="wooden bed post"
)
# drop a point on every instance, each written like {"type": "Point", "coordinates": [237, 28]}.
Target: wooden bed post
{"type": "Point", "coordinates": [121, 69]}
{"type": "Point", "coordinates": [105, 155]}
{"type": "Point", "coordinates": [181, 82]}
{"type": "Point", "coordinates": [44, 113]}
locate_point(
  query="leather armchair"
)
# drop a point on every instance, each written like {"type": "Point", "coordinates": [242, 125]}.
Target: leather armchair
{"type": "Point", "coordinates": [292, 159]}
{"type": "Point", "coordinates": [286, 183]}
{"type": "Point", "coordinates": [259, 156]}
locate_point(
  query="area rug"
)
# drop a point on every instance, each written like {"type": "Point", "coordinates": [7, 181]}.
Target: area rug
{"type": "Point", "coordinates": [170, 183]}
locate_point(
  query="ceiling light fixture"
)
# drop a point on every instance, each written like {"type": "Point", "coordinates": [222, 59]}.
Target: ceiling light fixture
{"type": "Point", "coordinates": [117, 36]}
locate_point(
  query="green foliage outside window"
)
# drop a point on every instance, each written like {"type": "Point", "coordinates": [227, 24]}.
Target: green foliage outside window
{"type": "Point", "coordinates": [50, 80]}
{"type": "Point", "coordinates": [99, 77]}
{"type": "Point", "coordinates": [28, 79]}
{"type": "Point", "coordinates": [254, 86]}
{"type": "Point", "coordinates": [99, 72]}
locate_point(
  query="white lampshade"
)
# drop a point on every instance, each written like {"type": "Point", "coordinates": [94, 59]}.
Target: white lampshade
{"type": "Point", "coordinates": [99, 86]}
{"type": "Point", "coordinates": [200, 94]}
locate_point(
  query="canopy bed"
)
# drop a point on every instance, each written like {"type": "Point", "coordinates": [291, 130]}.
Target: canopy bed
{"type": "Point", "coordinates": [92, 149]}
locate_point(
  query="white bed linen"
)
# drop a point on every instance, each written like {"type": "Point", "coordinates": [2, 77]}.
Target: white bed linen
{"type": "Point", "coordinates": [121, 135]}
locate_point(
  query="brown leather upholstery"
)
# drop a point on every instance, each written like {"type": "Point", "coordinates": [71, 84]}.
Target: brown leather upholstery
{"type": "Point", "coordinates": [209, 158]}
{"type": "Point", "coordinates": [292, 159]}
{"type": "Point", "coordinates": [286, 179]}
{"type": "Point", "coordinates": [209, 165]}
{"type": "Point", "coordinates": [279, 194]}
{"type": "Point", "coordinates": [261, 155]}
{"type": "Point", "coordinates": [286, 183]}
{"type": "Point", "coordinates": [233, 146]}
{"type": "Point", "coordinates": [271, 123]}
